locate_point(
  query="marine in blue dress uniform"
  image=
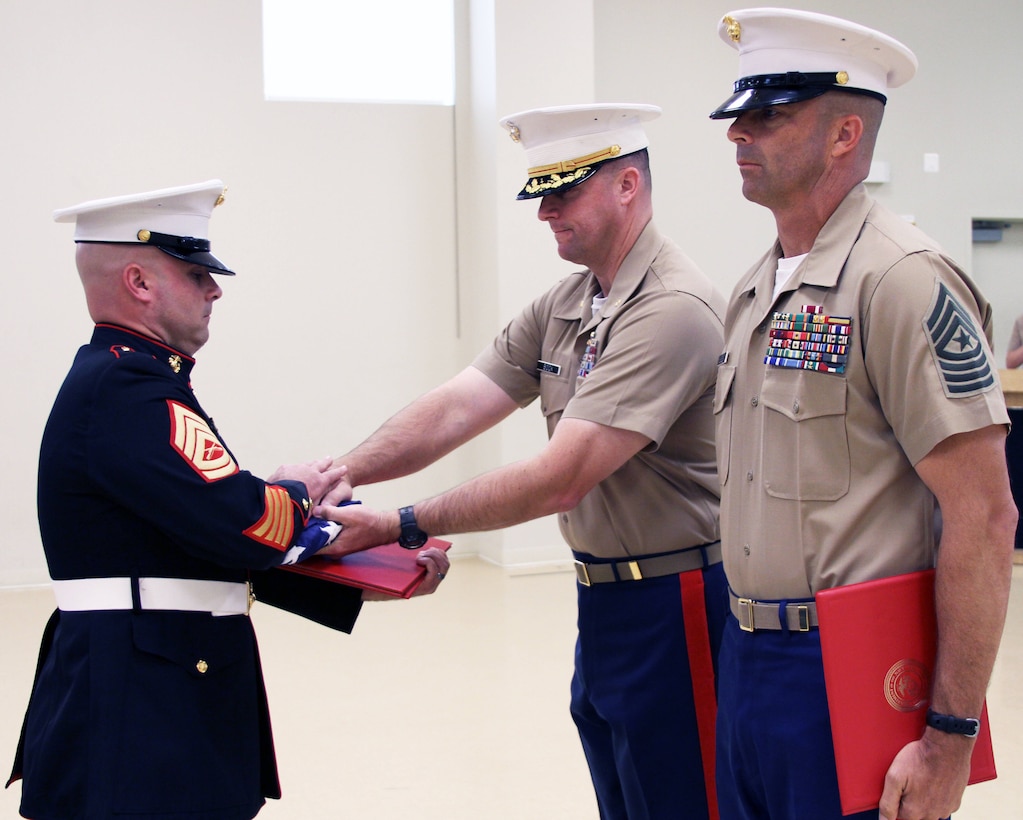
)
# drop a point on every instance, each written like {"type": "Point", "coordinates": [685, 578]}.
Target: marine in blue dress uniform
{"type": "Point", "coordinates": [149, 697]}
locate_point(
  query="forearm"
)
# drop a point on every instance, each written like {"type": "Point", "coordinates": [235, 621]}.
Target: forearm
{"type": "Point", "coordinates": [429, 428]}
{"type": "Point", "coordinates": [580, 455]}
{"type": "Point", "coordinates": [974, 572]}
{"type": "Point", "coordinates": [968, 476]}
{"type": "Point", "coordinates": [1014, 358]}
{"type": "Point", "coordinates": [398, 447]}
{"type": "Point", "coordinates": [506, 496]}
{"type": "Point", "coordinates": [501, 498]}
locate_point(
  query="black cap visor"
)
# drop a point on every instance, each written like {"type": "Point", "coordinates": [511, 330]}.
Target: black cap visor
{"type": "Point", "coordinates": [750, 99]}
{"type": "Point", "coordinates": [191, 249]}
{"type": "Point", "coordinates": [204, 258]}
{"type": "Point", "coordinates": [764, 90]}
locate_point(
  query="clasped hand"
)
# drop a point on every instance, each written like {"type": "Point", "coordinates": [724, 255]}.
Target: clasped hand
{"type": "Point", "coordinates": [320, 478]}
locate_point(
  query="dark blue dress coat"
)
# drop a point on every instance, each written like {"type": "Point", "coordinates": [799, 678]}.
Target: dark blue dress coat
{"type": "Point", "coordinates": [153, 714]}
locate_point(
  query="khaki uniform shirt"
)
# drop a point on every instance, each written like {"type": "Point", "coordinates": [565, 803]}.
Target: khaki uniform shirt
{"type": "Point", "coordinates": [648, 361]}
{"type": "Point", "coordinates": [818, 484]}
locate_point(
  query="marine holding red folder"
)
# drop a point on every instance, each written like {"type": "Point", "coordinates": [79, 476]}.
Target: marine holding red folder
{"type": "Point", "coordinates": [861, 436]}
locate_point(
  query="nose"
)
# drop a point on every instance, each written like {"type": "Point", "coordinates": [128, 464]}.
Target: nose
{"type": "Point", "coordinates": [214, 291]}
{"type": "Point", "coordinates": [737, 131]}
{"type": "Point", "coordinates": [547, 209]}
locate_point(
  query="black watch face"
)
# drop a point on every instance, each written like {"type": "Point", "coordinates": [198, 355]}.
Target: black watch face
{"type": "Point", "coordinates": [410, 542]}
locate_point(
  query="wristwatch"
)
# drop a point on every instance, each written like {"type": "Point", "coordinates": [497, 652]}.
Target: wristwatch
{"type": "Point", "coordinates": [411, 536]}
{"type": "Point", "coordinates": [970, 727]}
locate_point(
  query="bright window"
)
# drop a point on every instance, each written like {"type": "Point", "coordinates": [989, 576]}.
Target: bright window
{"type": "Point", "coordinates": [399, 51]}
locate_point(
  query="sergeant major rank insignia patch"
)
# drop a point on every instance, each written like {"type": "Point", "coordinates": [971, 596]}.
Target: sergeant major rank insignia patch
{"type": "Point", "coordinates": [192, 437]}
{"type": "Point", "coordinates": [959, 355]}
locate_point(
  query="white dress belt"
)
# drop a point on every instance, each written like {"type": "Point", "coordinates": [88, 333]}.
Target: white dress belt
{"type": "Point", "coordinates": [182, 594]}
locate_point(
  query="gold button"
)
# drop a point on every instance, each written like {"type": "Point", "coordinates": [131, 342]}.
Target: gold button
{"type": "Point", "coordinates": [202, 666]}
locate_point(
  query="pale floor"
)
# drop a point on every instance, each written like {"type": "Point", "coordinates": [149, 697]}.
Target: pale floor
{"type": "Point", "coordinates": [453, 706]}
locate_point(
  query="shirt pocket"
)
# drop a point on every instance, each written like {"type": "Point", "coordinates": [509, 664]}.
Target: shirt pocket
{"type": "Point", "coordinates": [806, 443]}
{"type": "Point", "coordinates": [723, 418]}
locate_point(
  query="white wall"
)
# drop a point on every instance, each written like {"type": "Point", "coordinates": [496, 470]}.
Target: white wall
{"type": "Point", "coordinates": [358, 288]}
{"type": "Point", "coordinates": [339, 220]}
{"type": "Point", "coordinates": [958, 106]}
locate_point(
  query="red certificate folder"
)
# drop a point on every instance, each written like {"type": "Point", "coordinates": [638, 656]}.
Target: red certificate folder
{"type": "Point", "coordinates": [329, 591]}
{"type": "Point", "coordinates": [390, 568]}
{"type": "Point", "coordinates": [878, 641]}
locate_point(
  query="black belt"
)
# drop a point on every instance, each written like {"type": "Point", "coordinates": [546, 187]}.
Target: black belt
{"type": "Point", "coordinates": [636, 569]}
{"type": "Point", "coordinates": [754, 615]}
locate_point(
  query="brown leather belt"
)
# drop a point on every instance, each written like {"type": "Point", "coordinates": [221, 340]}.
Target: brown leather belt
{"type": "Point", "coordinates": [637, 569]}
{"type": "Point", "coordinates": [756, 615]}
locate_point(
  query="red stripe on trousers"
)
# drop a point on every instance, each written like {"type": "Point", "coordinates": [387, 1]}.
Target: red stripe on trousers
{"type": "Point", "coordinates": [701, 671]}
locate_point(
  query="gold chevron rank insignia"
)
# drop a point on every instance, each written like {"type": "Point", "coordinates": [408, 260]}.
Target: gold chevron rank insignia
{"type": "Point", "coordinates": [277, 526]}
{"type": "Point", "coordinates": [192, 437]}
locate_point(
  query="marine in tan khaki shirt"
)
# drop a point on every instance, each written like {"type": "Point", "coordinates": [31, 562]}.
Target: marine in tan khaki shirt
{"type": "Point", "coordinates": [622, 356]}
{"type": "Point", "coordinates": [856, 396]}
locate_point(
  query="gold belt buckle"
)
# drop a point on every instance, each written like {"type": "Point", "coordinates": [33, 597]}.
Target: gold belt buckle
{"type": "Point", "coordinates": [251, 598]}
{"type": "Point", "coordinates": [746, 606]}
{"type": "Point", "coordinates": [582, 573]}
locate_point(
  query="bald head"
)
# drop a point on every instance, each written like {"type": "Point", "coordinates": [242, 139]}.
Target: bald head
{"type": "Point", "coordinates": [101, 268]}
{"type": "Point", "coordinates": [145, 290]}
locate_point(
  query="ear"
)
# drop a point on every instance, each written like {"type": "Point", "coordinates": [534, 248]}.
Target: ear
{"type": "Point", "coordinates": [137, 282]}
{"type": "Point", "coordinates": [628, 184]}
{"type": "Point", "coordinates": [848, 132]}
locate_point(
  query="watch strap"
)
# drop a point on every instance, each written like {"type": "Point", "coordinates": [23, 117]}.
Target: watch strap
{"type": "Point", "coordinates": [970, 727]}
{"type": "Point", "coordinates": [407, 517]}
{"type": "Point", "coordinates": [411, 535]}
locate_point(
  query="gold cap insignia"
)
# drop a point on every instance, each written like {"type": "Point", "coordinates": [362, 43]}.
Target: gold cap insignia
{"type": "Point", "coordinates": [569, 165]}
{"type": "Point", "coordinates": [537, 185]}
{"type": "Point", "coordinates": [842, 77]}
{"type": "Point", "coordinates": [143, 235]}
{"type": "Point", "coordinates": [220, 199]}
{"type": "Point", "coordinates": [514, 133]}
{"type": "Point", "coordinates": [733, 28]}
{"type": "Point", "coordinates": [175, 363]}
